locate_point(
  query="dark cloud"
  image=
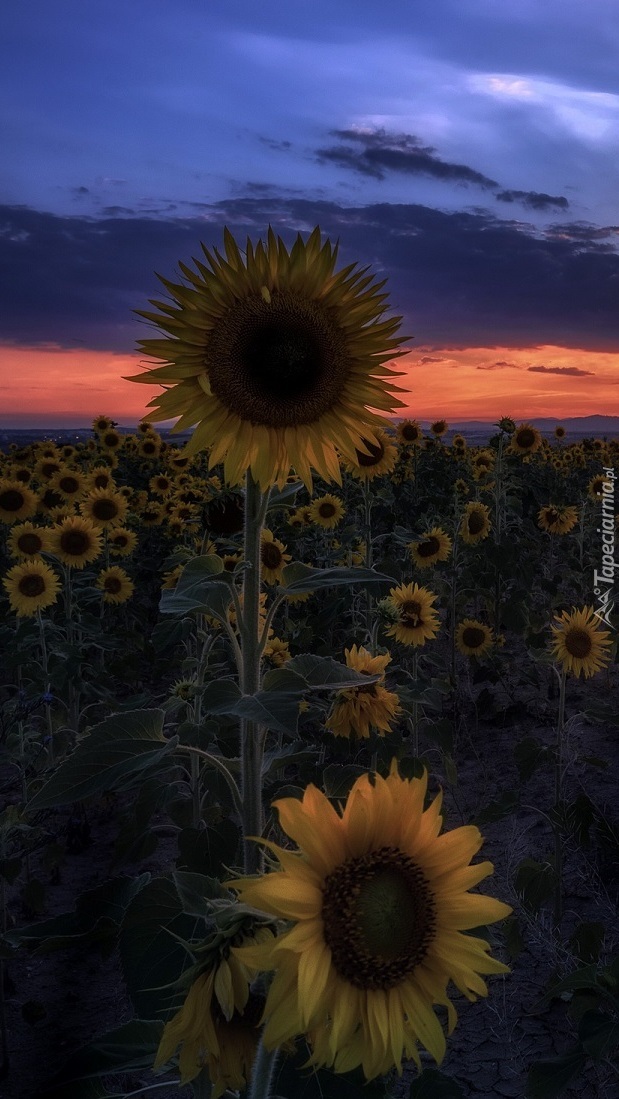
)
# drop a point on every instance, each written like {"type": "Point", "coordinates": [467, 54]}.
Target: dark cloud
{"type": "Point", "coordinates": [429, 359]}
{"type": "Point", "coordinates": [535, 199]}
{"type": "Point", "coordinates": [573, 370]}
{"type": "Point", "coordinates": [458, 279]}
{"type": "Point", "coordinates": [397, 153]}
{"type": "Point", "coordinates": [499, 365]}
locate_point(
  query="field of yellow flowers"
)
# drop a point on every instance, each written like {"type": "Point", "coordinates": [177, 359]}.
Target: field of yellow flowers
{"type": "Point", "coordinates": [266, 698]}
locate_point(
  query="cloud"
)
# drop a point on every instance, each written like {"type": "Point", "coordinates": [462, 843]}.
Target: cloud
{"type": "Point", "coordinates": [396, 153]}
{"type": "Point", "coordinates": [575, 371]}
{"type": "Point", "coordinates": [429, 359]}
{"type": "Point", "coordinates": [459, 279]}
{"type": "Point", "coordinates": [535, 199]}
{"type": "Point", "coordinates": [501, 364]}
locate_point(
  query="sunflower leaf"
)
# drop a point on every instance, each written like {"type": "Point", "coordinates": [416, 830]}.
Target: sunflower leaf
{"type": "Point", "coordinates": [299, 579]}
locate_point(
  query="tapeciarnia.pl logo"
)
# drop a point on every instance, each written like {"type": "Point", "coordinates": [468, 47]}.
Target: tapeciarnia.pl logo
{"type": "Point", "coordinates": [603, 581]}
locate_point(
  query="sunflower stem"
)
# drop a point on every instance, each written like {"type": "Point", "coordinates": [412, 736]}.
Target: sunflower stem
{"type": "Point", "coordinates": [48, 714]}
{"type": "Point", "coordinates": [252, 734]}
{"type": "Point", "coordinates": [263, 1071]}
{"type": "Point", "coordinates": [558, 899]}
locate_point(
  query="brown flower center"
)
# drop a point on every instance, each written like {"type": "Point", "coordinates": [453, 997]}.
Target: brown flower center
{"type": "Point", "coordinates": [410, 614]}
{"type": "Point", "coordinates": [271, 555]}
{"type": "Point", "coordinates": [113, 585]}
{"type": "Point", "coordinates": [410, 433]}
{"type": "Point", "coordinates": [326, 510]}
{"type": "Point", "coordinates": [476, 522]}
{"type": "Point", "coordinates": [29, 543]}
{"type": "Point", "coordinates": [429, 548]}
{"type": "Point", "coordinates": [473, 637]}
{"type": "Point", "coordinates": [75, 542]}
{"type": "Point", "coordinates": [525, 438]}
{"type": "Point", "coordinates": [578, 642]}
{"type": "Point", "coordinates": [101, 480]}
{"type": "Point", "coordinates": [377, 451]}
{"type": "Point", "coordinates": [104, 510]}
{"type": "Point", "coordinates": [69, 484]}
{"type": "Point", "coordinates": [379, 916]}
{"type": "Point", "coordinates": [31, 585]}
{"type": "Point", "coordinates": [11, 500]}
{"type": "Point", "coordinates": [111, 439]}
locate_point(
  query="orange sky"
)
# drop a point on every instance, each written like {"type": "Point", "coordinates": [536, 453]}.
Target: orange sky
{"type": "Point", "coordinates": [57, 387]}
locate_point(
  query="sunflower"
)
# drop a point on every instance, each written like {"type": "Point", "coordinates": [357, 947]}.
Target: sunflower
{"type": "Point", "coordinates": [27, 540]}
{"type": "Point", "coordinates": [461, 487]}
{"type": "Point", "coordinates": [69, 483]}
{"type": "Point", "coordinates": [377, 902]}
{"type": "Point", "coordinates": [110, 439]}
{"type": "Point", "coordinates": [217, 1024]}
{"type": "Point", "coordinates": [150, 446]}
{"type": "Point", "coordinates": [170, 578]}
{"type": "Point", "coordinates": [101, 477]}
{"type": "Point", "coordinates": [435, 545]}
{"type": "Point", "coordinates": [116, 586]}
{"type": "Point", "coordinates": [275, 357]}
{"type": "Point", "coordinates": [595, 488]}
{"type": "Point", "coordinates": [326, 511]}
{"type": "Point", "coordinates": [276, 652]}
{"type": "Point", "coordinates": [76, 541]}
{"type": "Point", "coordinates": [381, 458]}
{"type": "Point", "coordinates": [409, 433]}
{"type": "Point", "coordinates": [161, 484]}
{"type": "Point", "coordinates": [417, 620]}
{"type": "Point", "coordinates": [104, 507]}
{"type": "Point", "coordinates": [560, 432]}
{"type": "Point", "coordinates": [17, 501]}
{"type": "Point", "coordinates": [273, 557]}
{"type": "Point", "coordinates": [475, 523]}
{"type": "Point", "coordinates": [473, 638]}
{"type": "Point", "coordinates": [557, 519]}
{"type": "Point", "coordinates": [101, 424]}
{"type": "Point", "coordinates": [300, 518]}
{"type": "Point", "coordinates": [358, 709]}
{"type": "Point", "coordinates": [20, 473]}
{"type": "Point", "coordinates": [31, 586]}
{"type": "Point", "coordinates": [121, 542]}
{"type": "Point", "coordinates": [526, 439]}
{"type": "Point", "coordinates": [46, 467]}
{"type": "Point", "coordinates": [152, 514]}
{"type": "Point", "coordinates": [459, 442]}
{"type": "Point", "coordinates": [439, 427]}
{"type": "Point", "coordinates": [578, 643]}
{"type": "Point", "coordinates": [507, 425]}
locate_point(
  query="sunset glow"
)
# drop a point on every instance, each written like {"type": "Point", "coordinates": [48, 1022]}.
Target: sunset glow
{"type": "Point", "coordinates": [56, 387]}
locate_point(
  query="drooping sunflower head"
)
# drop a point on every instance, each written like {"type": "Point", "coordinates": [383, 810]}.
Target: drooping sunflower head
{"type": "Point", "coordinates": [357, 710]}
{"type": "Point", "coordinates": [433, 546]}
{"type": "Point", "coordinates": [507, 425]}
{"type": "Point", "coordinates": [473, 638]}
{"type": "Point", "coordinates": [376, 457]}
{"type": "Point", "coordinates": [557, 518]}
{"type": "Point", "coordinates": [578, 644]}
{"type": "Point", "coordinates": [31, 586]}
{"type": "Point", "coordinates": [275, 357]}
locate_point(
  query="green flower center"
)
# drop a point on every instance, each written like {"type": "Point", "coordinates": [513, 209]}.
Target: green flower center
{"type": "Point", "coordinates": [379, 917]}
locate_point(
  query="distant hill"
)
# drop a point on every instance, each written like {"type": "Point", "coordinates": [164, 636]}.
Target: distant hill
{"type": "Point", "coordinates": [590, 425]}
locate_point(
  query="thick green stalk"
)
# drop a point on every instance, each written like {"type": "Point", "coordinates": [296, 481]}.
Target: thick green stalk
{"type": "Point", "coordinates": [262, 1073]}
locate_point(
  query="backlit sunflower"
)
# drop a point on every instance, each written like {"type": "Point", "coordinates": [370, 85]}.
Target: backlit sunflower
{"type": "Point", "coordinates": [110, 439]}
{"type": "Point", "coordinates": [381, 458]}
{"type": "Point", "coordinates": [276, 358]}
{"type": "Point", "coordinates": [358, 709]}
{"type": "Point", "coordinates": [17, 501]}
{"type": "Point", "coordinates": [377, 902]}
{"type": "Point", "coordinates": [526, 439]}
{"type": "Point", "coordinates": [150, 446]}
{"type": "Point", "coordinates": [417, 621]}
{"type": "Point", "coordinates": [326, 511]}
{"type": "Point", "coordinates": [579, 644]}
{"type": "Point", "coordinates": [475, 523]}
{"type": "Point", "coordinates": [557, 518]}
{"type": "Point", "coordinates": [76, 541]}
{"type": "Point", "coordinates": [31, 586]}
{"type": "Point", "coordinates": [439, 428]}
{"type": "Point", "coordinates": [559, 432]}
{"type": "Point", "coordinates": [46, 467]}
{"type": "Point", "coordinates": [116, 585]}
{"type": "Point", "coordinates": [459, 443]}
{"type": "Point", "coordinates": [273, 557]}
{"type": "Point", "coordinates": [433, 546]}
{"type": "Point", "coordinates": [28, 540]}
{"type": "Point", "coordinates": [101, 424]}
{"type": "Point", "coordinates": [104, 507]}
{"type": "Point", "coordinates": [121, 542]}
{"type": "Point", "coordinates": [409, 433]}
{"type": "Point", "coordinates": [473, 638]}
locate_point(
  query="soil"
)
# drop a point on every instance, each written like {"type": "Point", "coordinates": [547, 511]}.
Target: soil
{"type": "Point", "coordinates": [61, 1001]}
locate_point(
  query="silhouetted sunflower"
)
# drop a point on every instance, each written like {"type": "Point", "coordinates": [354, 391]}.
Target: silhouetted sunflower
{"type": "Point", "coordinates": [526, 439]}
{"type": "Point", "coordinates": [381, 458]}
{"type": "Point", "coordinates": [17, 501]}
{"type": "Point", "coordinates": [276, 358]}
{"type": "Point", "coordinates": [409, 433]}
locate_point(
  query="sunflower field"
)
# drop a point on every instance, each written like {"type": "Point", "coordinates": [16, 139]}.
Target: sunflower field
{"type": "Point", "coordinates": [264, 697]}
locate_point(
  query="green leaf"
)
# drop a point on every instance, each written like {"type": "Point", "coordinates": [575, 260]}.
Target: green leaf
{"type": "Point", "coordinates": [195, 891]}
{"type": "Point", "coordinates": [279, 497]}
{"type": "Point", "coordinates": [338, 779]}
{"type": "Point", "coordinates": [599, 1034]}
{"type": "Point", "coordinates": [530, 754]}
{"type": "Point", "coordinates": [298, 578]}
{"type": "Point", "coordinates": [206, 850]}
{"type": "Point", "coordinates": [587, 941]}
{"type": "Point", "coordinates": [203, 586]}
{"type": "Point", "coordinates": [282, 757]}
{"type": "Point", "coordinates": [324, 673]}
{"type": "Point", "coordinates": [586, 977]}
{"type": "Point", "coordinates": [496, 810]}
{"type": "Point", "coordinates": [432, 1084]}
{"type": "Point", "coordinates": [535, 882]}
{"type": "Point", "coordinates": [547, 1079]}
{"type": "Point", "coordinates": [123, 746]}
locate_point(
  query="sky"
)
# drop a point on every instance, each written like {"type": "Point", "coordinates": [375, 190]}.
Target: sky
{"type": "Point", "coordinates": [465, 149]}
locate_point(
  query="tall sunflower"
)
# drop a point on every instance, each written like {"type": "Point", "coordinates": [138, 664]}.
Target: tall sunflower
{"type": "Point", "coordinates": [31, 586]}
{"type": "Point", "coordinates": [358, 709]}
{"type": "Point", "coordinates": [275, 358]}
{"type": "Point", "coordinates": [76, 541]}
{"type": "Point", "coordinates": [409, 433]}
{"type": "Point", "coordinates": [417, 621]}
{"type": "Point", "coordinates": [579, 644]}
{"type": "Point", "coordinates": [475, 524]}
{"type": "Point", "coordinates": [377, 901]}
{"type": "Point", "coordinates": [473, 638]}
{"type": "Point", "coordinates": [526, 439]}
{"type": "Point", "coordinates": [439, 428]}
{"type": "Point", "coordinates": [433, 546]}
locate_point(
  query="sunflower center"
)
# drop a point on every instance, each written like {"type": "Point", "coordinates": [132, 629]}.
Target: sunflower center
{"type": "Point", "coordinates": [32, 585]}
{"type": "Point", "coordinates": [326, 510]}
{"type": "Point", "coordinates": [429, 547]}
{"type": "Point", "coordinates": [120, 541]}
{"type": "Point", "coordinates": [22, 475]}
{"type": "Point", "coordinates": [377, 451]}
{"type": "Point", "coordinates": [11, 500]}
{"type": "Point", "coordinates": [111, 439]}
{"type": "Point", "coordinates": [101, 480]}
{"type": "Point", "coordinates": [279, 363]}
{"type": "Point", "coordinates": [473, 637]}
{"type": "Point", "coordinates": [578, 642]}
{"type": "Point", "coordinates": [69, 484]}
{"type": "Point", "coordinates": [74, 542]}
{"type": "Point", "coordinates": [49, 468]}
{"type": "Point", "coordinates": [29, 543]}
{"type": "Point", "coordinates": [410, 433]}
{"type": "Point", "coordinates": [525, 438]}
{"type": "Point", "coordinates": [271, 555]}
{"type": "Point", "coordinates": [552, 516]}
{"type": "Point", "coordinates": [112, 584]}
{"type": "Point", "coordinates": [475, 522]}
{"type": "Point", "coordinates": [105, 509]}
{"type": "Point", "coordinates": [378, 915]}
{"type": "Point", "coordinates": [410, 613]}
